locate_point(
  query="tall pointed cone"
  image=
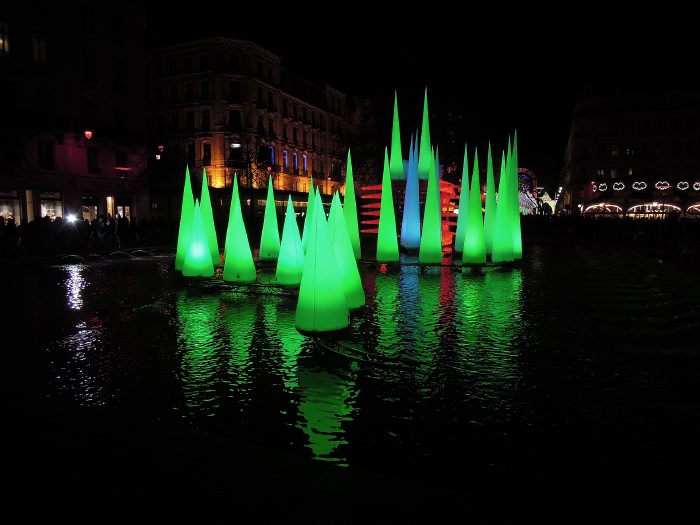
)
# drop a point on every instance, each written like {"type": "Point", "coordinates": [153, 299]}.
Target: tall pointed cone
{"type": "Point", "coordinates": [410, 222]}
{"type": "Point", "coordinates": [387, 241]}
{"type": "Point", "coordinates": [321, 306]}
{"type": "Point", "coordinates": [490, 215]}
{"type": "Point", "coordinates": [234, 198]}
{"type": "Point", "coordinates": [347, 265]}
{"type": "Point", "coordinates": [463, 205]}
{"type": "Point", "coordinates": [431, 237]}
{"type": "Point", "coordinates": [270, 238]}
{"type": "Point", "coordinates": [474, 251]}
{"type": "Point", "coordinates": [308, 216]}
{"type": "Point", "coordinates": [197, 261]}
{"type": "Point", "coordinates": [515, 220]}
{"type": "Point", "coordinates": [396, 159]}
{"type": "Point", "coordinates": [238, 259]}
{"type": "Point", "coordinates": [290, 263]}
{"type": "Point", "coordinates": [350, 210]}
{"type": "Point", "coordinates": [425, 154]}
{"type": "Point", "coordinates": [186, 216]}
{"type": "Point", "coordinates": [502, 233]}
{"type": "Point", "coordinates": [208, 220]}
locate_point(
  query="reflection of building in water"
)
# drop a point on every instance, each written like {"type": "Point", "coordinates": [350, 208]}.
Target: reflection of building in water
{"type": "Point", "coordinates": [325, 404]}
{"type": "Point", "coordinates": [280, 325]}
{"type": "Point", "coordinates": [198, 322]}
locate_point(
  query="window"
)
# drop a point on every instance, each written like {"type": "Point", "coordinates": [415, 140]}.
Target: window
{"type": "Point", "coordinates": [261, 100]}
{"type": "Point", "coordinates": [630, 171]}
{"type": "Point", "coordinates": [120, 159]}
{"type": "Point", "coordinates": [285, 159]}
{"type": "Point", "coordinates": [271, 127]}
{"type": "Point", "coordinates": [173, 94]}
{"type": "Point", "coordinates": [614, 150]}
{"type": "Point", "coordinates": [187, 65]}
{"type": "Point", "coordinates": [204, 90]}
{"type": "Point", "coordinates": [45, 154]}
{"type": "Point", "coordinates": [600, 173]}
{"type": "Point", "coordinates": [260, 70]}
{"type": "Point", "coordinates": [295, 161]}
{"type": "Point", "coordinates": [323, 122]}
{"type": "Point", "coordinates": [172, 67]}
{"type": "Point", "coordinates": [305, 162]}
{"type": "Point", "coordinates": [271, 155]}
{"type": "Point", "coordinates": [189, 92]}
{"type": "Point", "coordinates": [234, 91]}
{"type": "Point", "coordinates": [270, 103]}
{"type": "Point", "coordinates": [204, 62]}
{"type": "Point", "coordinates": [285, 107]}
{"type": "Point", "coordinates": [189, 120]}
{"type": "Point", "coordinates": [285, 136]}
{"type": "Point", "coordinates": [234, 64]}
{"type": "Point", "coordinates": [39, 49]}
{"type": "Point", "coordinates": [118, 74]}
{"type": "Point", "coordinates": [306, 138]}
{"type": "Point", "coordinates": [294, 134]}
{"type": "Point", "coordinates": [174, 121]}
{"type": "Point", "coordinates": [234, 120]}
{"type": "Point", "coordinates": [159, 98]}
{"type": "Point", "coordinates": [191, 157]}
{"type": "Point", "coordinates": [4, 38]}
{"type": "Point", "coordinates": [613, 173]}
{"type": "Point", "coordinates": [92, 160]}
{"type": "Point", "coordinates": [206, 154]}
{"type": "Point", "coordinates": [268, 73]}
{"type": "Point", "coordinates": [629, 151]}
{"type": "Point", "coordinates": [206, 120]}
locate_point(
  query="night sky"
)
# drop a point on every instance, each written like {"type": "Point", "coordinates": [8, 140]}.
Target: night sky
{"type": "Point", "coordinates": [498, 74]}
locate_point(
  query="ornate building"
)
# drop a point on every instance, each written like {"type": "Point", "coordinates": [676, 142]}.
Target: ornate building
{"type": "Point", "coordinates": [72, 103]}
{"type": "Point", "coordinates": [228, 106]}
{"type": "Point", "coordinates": [633, 152]}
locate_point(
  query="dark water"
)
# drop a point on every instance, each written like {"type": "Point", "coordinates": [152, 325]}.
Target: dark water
{"type": "Point", "coordinates": [583, 358]}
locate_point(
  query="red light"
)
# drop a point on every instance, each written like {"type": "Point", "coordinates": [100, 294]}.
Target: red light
{"type": "Point", "coordinates": [161, 147]}
{"type": "Point", "coordinates": [383, 267]}
{"type": "Point", "coordinates": [269, 168]}
{"type": "Point", "coordinates": [88, 134]}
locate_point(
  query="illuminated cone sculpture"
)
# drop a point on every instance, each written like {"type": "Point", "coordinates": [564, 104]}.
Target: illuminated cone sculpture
{"type": "Point", "coordinates": [463, 205]}
{"type": "Point", "coordinates": [186, 216]}
{"type": "Point", "coordinates": [490, 213]}
{"type": "Point", "coordinates": [309, 215]}
{"type": "Point", "coordinates": [270, 238]}
{"type": "Point", "coordinates": [350, 210]}
{"type": "Point", "coordinates": [290, 263]}
{"type": "Point", "coordinates": [347, 265]}
{"type": "Point", "coordinates": [238, 259]}
{"type": "Point", "coordinates": [208, 220]}
{"type": "Point", "coordinates": [396, 160]}
{"type": "Point", "coordinates": [321, 306]}
{"type": "Point", "coordinates": [502, 233]}
{"type": "Point", "coordinates": [431, 237]}
{"type": "Point", "coordinates": [197, 261]}
{"type": "Point", "coordinates": [425, 153]}
{"type": "Point", "coordinates": [515, 195]}
{"type": "Point", "coordinates": [387, 240]}
{"type": "Point", "coordinates": [474, 250]}
{"type": "Point", "coordinates": [410, 222]}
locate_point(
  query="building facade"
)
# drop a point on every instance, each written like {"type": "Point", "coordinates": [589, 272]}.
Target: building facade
{"type": "Point", "coordinates": [227, 106]}
{"type": "Point", "coordinates": [634, 154]}
{"type": "Point", "coordinates": [72, 99]}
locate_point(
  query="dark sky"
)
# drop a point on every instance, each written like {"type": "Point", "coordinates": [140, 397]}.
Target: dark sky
{"type": "Point", "coordinates": [500, 71]}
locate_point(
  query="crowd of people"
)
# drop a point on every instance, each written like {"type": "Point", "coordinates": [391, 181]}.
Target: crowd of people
{"type": "Point", "coordinates": [64, 235]}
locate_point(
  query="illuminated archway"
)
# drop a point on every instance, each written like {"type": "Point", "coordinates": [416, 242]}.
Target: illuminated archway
{"type": "Point", "coordinates": [653, 208]}
{"type": "Point", "coordinates": [693, 208]}
{"type": "Point", "coordinates": [603, 207]}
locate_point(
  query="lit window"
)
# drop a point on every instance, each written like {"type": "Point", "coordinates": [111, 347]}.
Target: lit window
{"type": "Point", "coordinates": [206, 120]}
{"type": "Point", "coordinates": [285, 159]}
{"type": "Point", "coordinates": [92, 160]}
{"type": "Point", "coordinates": [120, 159]}
{"type": "Point", "coordinates": [39, 49]}
{"type": "Point", "coordinates": [614, 150]}
{"type": "Point", "coordinates": [295, 161]}
{"type": "Point", "coordinates": [272, 155]}
{"type": "Point", "coordinates": [600, 173]}
{"type": "Point", "coordinates": [613, 173]}
{"type": "Point", "coordinates": [206, 154]}
{"type": "Point", "coordinates": [305, 162]}
{"type": "Point", "coordinates": [4, 38]}
{"type": "Point", "coordinates": [629, 151]}
{"type": "Point", "coordinates": [45, 154]}
{"type": "Point", "coordinates": [629, 171]}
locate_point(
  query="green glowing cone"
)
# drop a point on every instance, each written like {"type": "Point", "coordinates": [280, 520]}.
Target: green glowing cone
{"type": "Point", "coordinates": [208, 220]}
{"type": "Point", "coordinates": [290, 263]}
{"type": "Point", "coordinates": [430, 251]}
{"type": "Point", "coordinates": [197, 261]}
{"type": "Point", "coordinates": [238, 259]}
{"type": "Point", "coordinates": [425, 153]}
{"type": "Point", "coordinates": [410, 221]}
{"type": "Point", "coordinates": [229, 224]}
{"type": "Point", "coordinates": [309, 215]}
{"type": "Point", "coordinates": [387, 241]}
{"type": "Point", "coordinates": [186, 215]}
{"type": "Point", "coordinates": [490, 215]}
{"type": "Point", "coordinates": [396, 162]}
{"type": "Point", "coordinates": [515, 220]}
{"type": "Point", "coordinates": [474, 251]}
{"type": "Point", "coordinates": [463, 205]}
{"type": "Point", "coordinates": [350, 210]}
{"type": "Point", "coordinates": [347, 265]}
{"type": "Point", "coordinates": [270, 238]}
{"type": "Point", "coordinates": [321, 306]}
{"type": "Point", "coordinates": [502, 234]}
